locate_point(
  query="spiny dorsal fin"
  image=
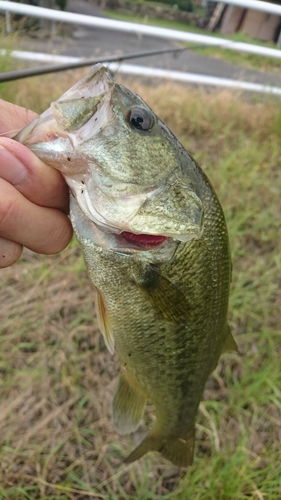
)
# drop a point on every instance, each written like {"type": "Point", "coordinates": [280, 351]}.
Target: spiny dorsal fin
{"type": "Point", "coordinates": [104, 323]}
{"type": "Point", "coordinates": [128, 405]}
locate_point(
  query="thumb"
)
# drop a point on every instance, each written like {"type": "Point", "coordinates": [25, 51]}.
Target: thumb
{"type": "Point", "coordinates": [39, 183]}
{"type": "Point", "coordinates": [13, 118]}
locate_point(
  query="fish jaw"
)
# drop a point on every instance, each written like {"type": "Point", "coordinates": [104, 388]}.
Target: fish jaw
{"type": "Point", "coordinates": [56, 134]}
{"type": "Point", "coordinates": [123, 180]}
{"type": "Point", "coordinates": [91, 235]}
{"type": "Point", "coordinates": [145, 213]}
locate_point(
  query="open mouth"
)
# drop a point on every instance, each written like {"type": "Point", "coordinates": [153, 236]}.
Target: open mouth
{"type": "Point", "coordinates": [147, 240]}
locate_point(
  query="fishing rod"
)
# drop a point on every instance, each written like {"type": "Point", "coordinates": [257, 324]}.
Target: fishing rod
{"type": "Point", "coordinates": [9, 76]}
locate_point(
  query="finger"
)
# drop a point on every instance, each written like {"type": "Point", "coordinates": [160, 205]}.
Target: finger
{"type": "Point", "coordinates": [39, 183]}
{"type": "Point", "coordinates": [14, 118]}
{"type": "Point", "coordinates": [43, 230]}
{"type": "Point", "coordinates": [10, 252]}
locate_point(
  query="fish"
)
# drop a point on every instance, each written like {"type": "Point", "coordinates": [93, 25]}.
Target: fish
{"type": "Point", "coordinates": [155, 243]}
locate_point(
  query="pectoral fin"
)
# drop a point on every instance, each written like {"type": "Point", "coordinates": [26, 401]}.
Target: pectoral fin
{"type": "Point", "coordinates": [165, 296]}
{"type": "Point", "coordinates": [104, 323]}
{"type": "Point", "coordinates": [128, 406]}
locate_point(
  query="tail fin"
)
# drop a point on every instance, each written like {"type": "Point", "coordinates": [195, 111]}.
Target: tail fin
{"type": "Point", "coordinates": [176, 449]}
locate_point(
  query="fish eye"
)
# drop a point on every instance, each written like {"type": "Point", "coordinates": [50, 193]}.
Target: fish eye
{"type": "Point", "coordinates": [140, 118]}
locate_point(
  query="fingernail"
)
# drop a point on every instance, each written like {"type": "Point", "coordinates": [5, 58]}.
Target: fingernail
{"type": "Point", "coordinates": [11, 168]}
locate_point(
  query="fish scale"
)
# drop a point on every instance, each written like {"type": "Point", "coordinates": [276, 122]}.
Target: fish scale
{"type": "Point", "coordinates": [155, 243]}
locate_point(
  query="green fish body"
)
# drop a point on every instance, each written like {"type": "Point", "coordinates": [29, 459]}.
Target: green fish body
{"type": "Point", "coordinates": [155, 243]}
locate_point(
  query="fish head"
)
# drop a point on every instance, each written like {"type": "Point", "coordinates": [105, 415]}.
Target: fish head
{"type": "Point", "coordinates": [126, 171]}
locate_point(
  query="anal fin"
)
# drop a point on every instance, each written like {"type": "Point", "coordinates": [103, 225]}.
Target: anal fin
{"type": "Point", "coordinates": [128, 405]}
{"type": "Point", "coordinates": [229, 344]}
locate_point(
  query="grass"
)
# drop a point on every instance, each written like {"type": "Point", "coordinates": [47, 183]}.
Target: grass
{"type": "Point", "coordinates": [57, 379]}
{"type": "Point", "coordinates": [164, 23]}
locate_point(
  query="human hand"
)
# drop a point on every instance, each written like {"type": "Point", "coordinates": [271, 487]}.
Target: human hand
{"type": "Point", "coordinates": [33, 197]}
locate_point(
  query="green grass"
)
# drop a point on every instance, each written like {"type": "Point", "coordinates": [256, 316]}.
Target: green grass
{"type": "Point", "coordinates": [57, 379]}
{"type": "Point", "coordinates": [163, 23]}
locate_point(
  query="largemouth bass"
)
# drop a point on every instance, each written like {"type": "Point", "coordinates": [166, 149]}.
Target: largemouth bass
{"type": "Point", "coordinates": [155, 242]}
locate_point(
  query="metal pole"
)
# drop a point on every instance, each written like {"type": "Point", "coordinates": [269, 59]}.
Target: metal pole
{"type": "Point", "coordinates": [8, 23]}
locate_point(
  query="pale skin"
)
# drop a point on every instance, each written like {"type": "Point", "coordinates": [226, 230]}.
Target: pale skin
{"type": "Point", "coordinates": [33, 197]}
